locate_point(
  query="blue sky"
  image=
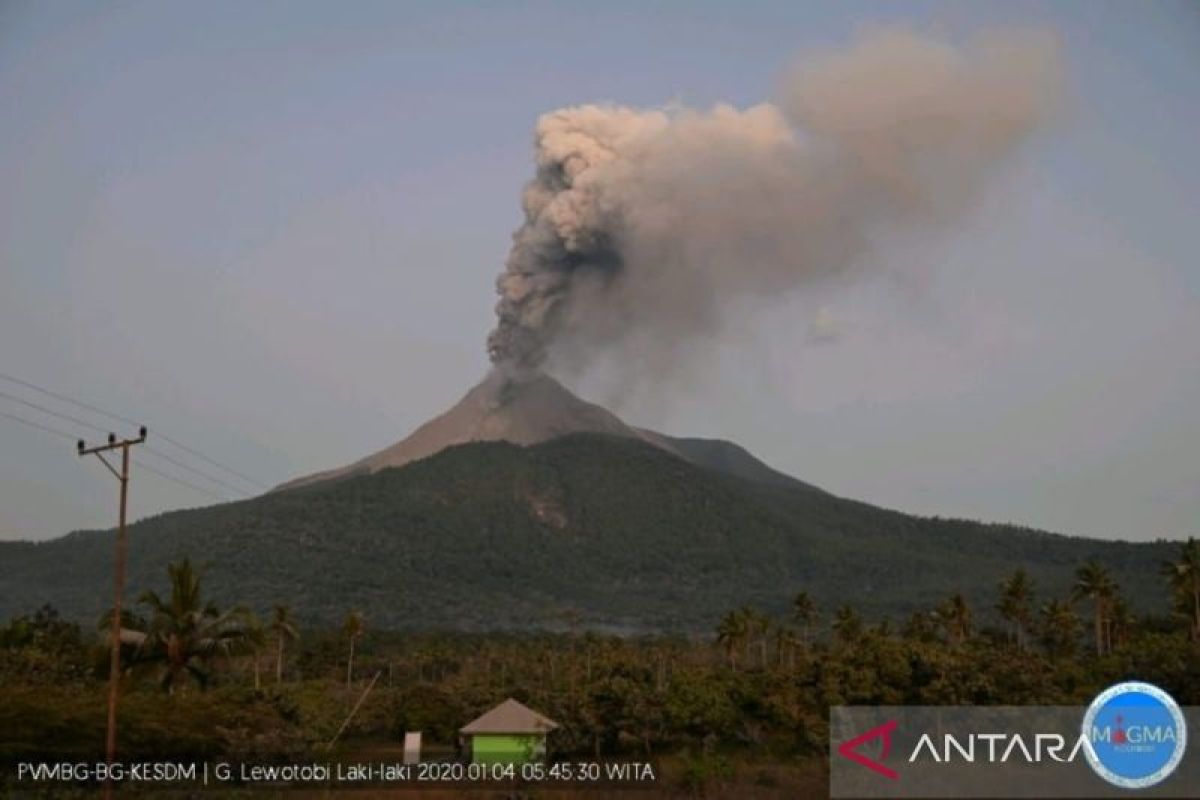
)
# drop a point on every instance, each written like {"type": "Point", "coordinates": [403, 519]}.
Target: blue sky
{"type": "Point", "coordinates": [271, 230]}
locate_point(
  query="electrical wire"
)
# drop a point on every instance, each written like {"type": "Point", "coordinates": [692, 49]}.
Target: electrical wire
{"type": "Point", "coordinates": [75, 420]}
{"type": "Point", "coordinates": [143, 465]}
{"type": "Point", "coordinates": [198, 454]}
{"type": "Point", "coordinates": [194, 471]}
{"type": "Point", "coordinates": [159, 454]}
{"type": "Point", "coordinates": [51, 412]}
{"type": "Point", "coordinates": [72, 437]}
{"type": "Point", "coordinates": [38, 426]}
{"type": "Point", "coordinates": [148, 449]}
{"type": "Point", "coordinates": [119, 418]}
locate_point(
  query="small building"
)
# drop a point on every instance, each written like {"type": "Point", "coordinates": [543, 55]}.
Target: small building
{"type": "Point", "coordinates": [412, 747]}
{"type": "Point", "coordinates": [510, 733]}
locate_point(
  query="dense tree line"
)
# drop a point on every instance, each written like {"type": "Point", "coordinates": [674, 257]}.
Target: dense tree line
{"type": "Point", "coordinates": [760, 683]}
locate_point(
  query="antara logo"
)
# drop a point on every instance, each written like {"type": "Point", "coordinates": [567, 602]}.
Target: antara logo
{"type": "Point", "coordinates": [994, 748]}
{"type": "Point", "coordinates": [849, 749]}
{"type": "Point", "coordinates": [1000, 748]}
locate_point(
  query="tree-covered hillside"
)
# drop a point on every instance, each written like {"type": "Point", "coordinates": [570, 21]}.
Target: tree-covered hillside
{"type": "Point", "coordinates": [590, 528]}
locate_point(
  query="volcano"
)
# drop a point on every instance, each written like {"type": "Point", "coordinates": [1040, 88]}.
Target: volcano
{"type": "Point", "coordinates": [523, 503]}
{"type": "Point", "coordinates": [531, 408]}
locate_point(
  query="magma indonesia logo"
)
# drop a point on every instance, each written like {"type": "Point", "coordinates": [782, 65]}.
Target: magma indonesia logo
{"type": "Point", "coordinates": [1137, 735]}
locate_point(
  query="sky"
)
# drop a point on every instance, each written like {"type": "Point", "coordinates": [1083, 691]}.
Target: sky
{"type": "Point", "coordinates": [271, 232]}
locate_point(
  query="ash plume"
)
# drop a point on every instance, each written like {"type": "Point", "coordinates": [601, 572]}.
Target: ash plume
{"type": "Point", "coordinates": [645, 230]}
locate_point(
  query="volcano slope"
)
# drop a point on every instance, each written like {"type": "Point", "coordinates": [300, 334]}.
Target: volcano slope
{"type": "Point", "coordinates": [622, 533]}
{"type": "Point", "coordinates": [534, 408]}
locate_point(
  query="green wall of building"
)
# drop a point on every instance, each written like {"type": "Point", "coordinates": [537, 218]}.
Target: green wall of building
{"type": "Point", "coordinates": [498, 748]}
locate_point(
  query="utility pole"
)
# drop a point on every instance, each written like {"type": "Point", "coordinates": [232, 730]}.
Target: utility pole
{"type": "Point", "coordinates": [114, 669]}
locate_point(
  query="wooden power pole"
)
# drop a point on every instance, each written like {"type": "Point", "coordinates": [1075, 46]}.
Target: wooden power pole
{"type": "Point", "coordinates": [114, 669]}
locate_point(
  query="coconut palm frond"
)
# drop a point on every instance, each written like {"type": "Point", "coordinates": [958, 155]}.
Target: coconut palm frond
{"type": "Point", "coordinates": [150, 598]}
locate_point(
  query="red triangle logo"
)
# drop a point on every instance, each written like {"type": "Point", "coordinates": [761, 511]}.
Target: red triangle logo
{"type": "Point", "coordinates": [884, 731]}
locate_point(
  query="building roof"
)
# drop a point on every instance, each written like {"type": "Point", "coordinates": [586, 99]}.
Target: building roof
{"type": "Point", "coordinates": [510, 717]}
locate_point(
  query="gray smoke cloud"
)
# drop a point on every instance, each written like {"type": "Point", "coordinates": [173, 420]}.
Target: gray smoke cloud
{"type": "Point", "coordinates": [645, 229]}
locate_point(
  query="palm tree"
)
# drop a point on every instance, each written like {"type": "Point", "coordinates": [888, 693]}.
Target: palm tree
{"type": "Point", "coordinates": [758, 626]}
{"type": "Point", "coordinates": [284, 628]}
{"type": "Point", "coordinates": [847, 625]}
{"type": "Point", "coordinates": [804, 612]}
{"type": "Point", "coordinates": [955, 616]}
{"type": "Point", "coordinates": [1093, 582]}
{"type": "Point", "coordinates": [1059, 627]}
{"type": "Point", "coordinates": [731, 632]}
{"type": "Point", "coordinates": [354, 627]}
{"type": "Point", "coordinates": [1184, 578]}
{"type": "Point", "coordinates": [256, 637]}
{"type": "Point", "coordinates": [185, 633]}
{"type": "Point", "coordinates": [785, 645]}
{"type": "Point", "coordinates": [1015, 605]}
{"type": "Point", "coordinates": [1120, 621]}
{"type": "Point", "coordinates": [921, 626]}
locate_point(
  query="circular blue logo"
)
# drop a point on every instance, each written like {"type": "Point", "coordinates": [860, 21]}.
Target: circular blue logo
{"type": "Point", "coordinates": [1136, 735]}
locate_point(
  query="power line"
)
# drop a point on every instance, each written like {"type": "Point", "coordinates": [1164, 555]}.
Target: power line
{"type": "Point", "coordinates": [39, 426]}
{"type": "Point", "coordinates": [97, 410]}
{"type": "Point", "coordinates": [156, 452]}
{"type": "Point", "coordinates": [198, 454]}
{"type": "Point", "coordinates": [66, 399]}
{"type": "Point", "coordinates": [173, 479]}
{"type": "Point", "coordinates": [194, 471]}
{"type": "Point", "coordinates": [53, 413]}
{"type": "Point", "coordinates": [72, 437]}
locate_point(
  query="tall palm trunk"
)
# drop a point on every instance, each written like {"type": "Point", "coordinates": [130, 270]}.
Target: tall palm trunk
{"type": "Point", "coordinates": [1098, 620]}
{"type": "Point", "coordinates": [279, 661]}
{"type": "Point", "coordinates": [350, 663]}
{"type": "Point", "coordinates": [1196, 611]}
